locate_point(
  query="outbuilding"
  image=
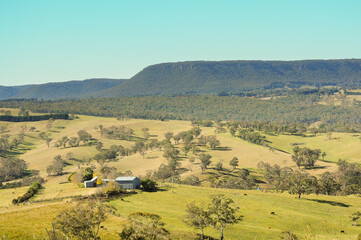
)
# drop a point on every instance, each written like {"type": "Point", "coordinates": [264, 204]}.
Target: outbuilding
{"type": "Point", "coordinates": [91, 183]}
{"type": "Point", "coordinates": [128, 182]}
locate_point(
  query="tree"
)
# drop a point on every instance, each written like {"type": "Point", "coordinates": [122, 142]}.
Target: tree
{"type": "Point", "coordinates": [192, 180]}
{"type": "Point", "coordinates": [145, 133]}
{"type": "Point", "coordinates": [323, 156]}
{"type": "Point", "coordinates": [196, 131]}
{"type": "Point", "coordinates": [144, 226]}
{"type": "Point", "coordinates": [355, 216]}
{"type": "Point", "coordinates": [99, 146]}
{"type": "Point", "coordinates": [80, 222]}
{"type": "Point", "coordinates": [12, 168]}
{"type": "Point", "coordinates": [328, 184]}
{"type": "Point", "coordinates": [170, 152]}
{"type": "Point", "coordinates": [305, 157]}
{"type": "Point", "coordinates": [222, 213]}
{"type": "Point", "coordinates": [300, 183]}
{"type": "Point", "coordinates": [84, 136]}
{"type": "Point", "coordinates": [88, 174]}
{"type": "Point", "coordinates": [213, 141]}
{"type": "Point", "coordinates": [197, 217]}
{"type": "Point", "coordinates": [234, 163]}
{"type": "Point", "coordinates": [50, 123]}
{"type": "Point", "coordinates": [148, 185]}
{"type": "Point", "coordinates": [57, 166]}
{"type": "Point", "coordinates": [168, 135]}
{"type": "Point", "coordinates": [219, 166]}
{"type": "Point", "coordinates": [186, 148]}
{"type": "Point", "coordinates": [48, 140]}
{"type": "Point", "coordinates": [205, 161]}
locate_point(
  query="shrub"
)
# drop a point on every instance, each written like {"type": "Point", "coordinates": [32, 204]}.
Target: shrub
{"type": "Point", "coordinates": [192, 180]}
{"type": "Point", "coordinates": [148, 185]}
{"type": "Point", "coordinates": [34, 188]}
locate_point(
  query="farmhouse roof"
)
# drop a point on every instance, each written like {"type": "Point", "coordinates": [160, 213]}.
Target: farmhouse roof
{"type": "Point", "coordinates": [125, 178]}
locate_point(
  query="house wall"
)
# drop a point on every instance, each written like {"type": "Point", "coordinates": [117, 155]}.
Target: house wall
{"type": "Point", "coordinates": [129, 184]}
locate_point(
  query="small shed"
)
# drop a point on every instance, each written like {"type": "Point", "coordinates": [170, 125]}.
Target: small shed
{"type": "Point", "coordinates": [128, 182]}
{"type": "Point", "coordinates": [91, 183]}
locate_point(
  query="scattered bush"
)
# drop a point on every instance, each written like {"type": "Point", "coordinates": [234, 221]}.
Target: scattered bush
{"type": "Point", "coordinates": [34, 188]}
{"type": "Point", "coordinates": [148, 185]}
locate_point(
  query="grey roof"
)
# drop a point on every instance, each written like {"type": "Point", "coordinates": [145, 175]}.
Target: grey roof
{"type": "Point", "coordinates": [93, 180]}
{"type": "Point", "coordinates": [125, 178]}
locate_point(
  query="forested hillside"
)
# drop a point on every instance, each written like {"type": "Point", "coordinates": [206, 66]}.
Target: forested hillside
{"type": "Point", "coordinates": [65, 90]}
{"type": "Point", "coordinates": [234, 76]}
{"type": "Point", "coordinates": [290, 109]}
{"type": "Point", "coordinates": [203, 78]}
{"type": "Point", "coordinates": [8, 92]}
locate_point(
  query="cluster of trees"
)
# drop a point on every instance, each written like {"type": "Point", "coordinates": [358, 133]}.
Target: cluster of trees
{"type": "Point", "coordinates": [347, 180]}
{"type": "Point", "coordinates": [56, 167]}
{"type": "Point", "coordinates": [289, 109]}
{"type": "Point", "coordinates": [32, 118]}
{"type": "Point", "coordinates": [218, 214]}
{"type": "Point", "coordinates": [83, 137]}
{"type": "Point", "coordinates": [280, 91]}
{"type": "Point", "coordinates": [81, 221]}
{"type": "Point", "coordinates": [305, 156]}
{"type": "Point", "coordinates": [111, 154]}
{"type": "Point", "coordinates": [251, 136]}
{"type": "Point", "coordinates": [12, 168]}
{"type": "Point", "coordinates": [34, 189]}
{"type": "Point", "coordinates": [84, 174]}
{"type": "Point", "coordinates": [243, 180]}
{"type": "Point", "coordinates": [113, 132]}
{"type": "Point", "coordinates": [6, 145]}
{"type": "Point", "coordinates": [143, 225]}
{"type": "Point", "coordinates": [84, 221]}
{"type": "Point", "coordinates": [270, 127]}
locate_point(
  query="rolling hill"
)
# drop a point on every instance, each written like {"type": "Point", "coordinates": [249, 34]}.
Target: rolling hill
{"type": "Point", "coordinates": [234, 76]}
{"type": "Point", "coordinates": [8, 92]}
{"type": "Point", "coordinates": [202, 77]}
{"type": "Point", "coordinates": [61, 90]}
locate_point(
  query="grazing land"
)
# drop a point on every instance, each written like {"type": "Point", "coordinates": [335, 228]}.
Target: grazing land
{"type": "Point", "coordinates": [317, 216]}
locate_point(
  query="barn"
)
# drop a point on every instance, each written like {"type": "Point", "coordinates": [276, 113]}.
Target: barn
{"type": "Point", "coordinates": [91, 183]}
{"type": "Point", "coordinates": [128, 182]}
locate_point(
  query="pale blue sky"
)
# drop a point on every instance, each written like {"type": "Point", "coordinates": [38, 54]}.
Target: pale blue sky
{"type": "Point", "coordinates": [48, 41]}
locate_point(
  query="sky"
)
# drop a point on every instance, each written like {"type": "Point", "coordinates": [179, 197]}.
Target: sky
{"type": "Point", "coordinates": [62, 40]}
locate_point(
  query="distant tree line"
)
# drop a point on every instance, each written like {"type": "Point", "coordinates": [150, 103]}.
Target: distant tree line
{"type": "Point", "coordinates": [289, 109]}
{"type": "Point", "coordinates": [32, 118]}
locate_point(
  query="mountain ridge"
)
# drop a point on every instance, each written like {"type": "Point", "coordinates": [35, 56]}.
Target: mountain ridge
{"type": "Point", "coordinates": [202, 77]}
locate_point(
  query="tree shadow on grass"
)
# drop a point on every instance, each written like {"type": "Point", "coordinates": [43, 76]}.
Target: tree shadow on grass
{"type": "Point", "coordinates": [222, 148]}
{"type": "Point", "coordinates": [333, 203]}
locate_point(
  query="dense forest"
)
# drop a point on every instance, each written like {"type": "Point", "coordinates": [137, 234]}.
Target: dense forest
{"type": "Point", "coordinates": [235, 76]}
{"type": "Point", "coordinates": [288, 109]}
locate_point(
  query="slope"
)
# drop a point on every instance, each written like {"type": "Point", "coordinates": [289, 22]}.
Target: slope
{"type": "Point", "coordinates": [235, 76]}
{"type": "Point", "coordinates": [66, 90]}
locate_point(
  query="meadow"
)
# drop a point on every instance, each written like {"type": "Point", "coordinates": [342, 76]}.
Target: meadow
{"type": "Point", "coordinates": [312, 216]}
{"type": "Point", "coordinates": [317, 216]}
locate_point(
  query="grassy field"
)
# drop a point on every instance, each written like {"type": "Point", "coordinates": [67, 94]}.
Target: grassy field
{"type": "Point", "coordinates": [345, 146]}
{"type": "Point", "coordinates": [326, 215]}
{"type": "Point", "coordinates": [322, 217]}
